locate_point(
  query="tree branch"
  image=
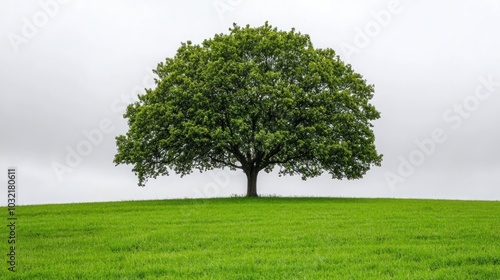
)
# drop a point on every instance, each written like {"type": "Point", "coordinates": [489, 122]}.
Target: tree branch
{"type": "Point", "coordinates": [286, 160]}
{"type": "Point", "coordinates": [225, 162]}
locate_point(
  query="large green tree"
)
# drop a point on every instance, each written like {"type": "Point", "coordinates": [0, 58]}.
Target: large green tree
{"type": "Point", "coordinates": [253, 99]}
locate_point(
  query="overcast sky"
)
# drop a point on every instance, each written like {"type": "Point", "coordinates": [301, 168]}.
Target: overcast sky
{"type": "Point", "coordinates": [68, 68]}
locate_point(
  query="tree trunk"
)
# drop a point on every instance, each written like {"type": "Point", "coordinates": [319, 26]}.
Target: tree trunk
{"type": "Point", "coordinates": [252, 182]}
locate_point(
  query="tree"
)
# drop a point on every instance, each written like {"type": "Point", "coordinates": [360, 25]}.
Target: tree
{"type": "Point", "coordinates": [253, 99]}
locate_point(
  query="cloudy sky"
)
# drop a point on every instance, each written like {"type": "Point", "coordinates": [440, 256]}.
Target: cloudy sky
{"type": "Point", "coordinates": [68, 68]}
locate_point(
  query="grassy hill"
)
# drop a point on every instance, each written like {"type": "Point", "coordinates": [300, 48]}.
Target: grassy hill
{"type": "Point", "coordinates": [263, 238]}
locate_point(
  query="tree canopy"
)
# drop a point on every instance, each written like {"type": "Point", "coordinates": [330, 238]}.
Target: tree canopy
{"type": "Point", "coordinates": [253, 99]}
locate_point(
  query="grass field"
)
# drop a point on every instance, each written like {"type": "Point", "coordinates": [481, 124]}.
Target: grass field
{"type": "Point", "coordinates": [263, 238]}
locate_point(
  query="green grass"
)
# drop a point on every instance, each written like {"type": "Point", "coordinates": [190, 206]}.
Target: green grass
{"type": "Point", "coordinates": [263, 238]}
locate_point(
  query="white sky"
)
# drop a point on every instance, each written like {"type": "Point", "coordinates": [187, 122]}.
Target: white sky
{"type": "Point", "coordinates": [66, 66]}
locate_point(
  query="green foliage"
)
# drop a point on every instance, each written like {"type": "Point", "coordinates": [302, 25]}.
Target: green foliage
{"type": "Point", "coordinates": [267, 238]}
{"type": "Point", "coordinates": [252, 99]}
